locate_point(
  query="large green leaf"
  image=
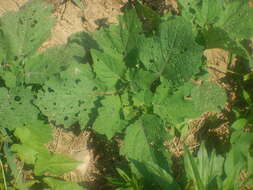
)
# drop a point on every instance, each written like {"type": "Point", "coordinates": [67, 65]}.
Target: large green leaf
{"type": "Point", "coordinates": [42, 66]}
{"type": "Point", "coordinates": [24, 31]}
{"type": "Point", "coordinates": [188, 102]}
{"type": "Point", "coordinates": [117, 44]}
{"type": "Point", "coordinates": [120, 39]}
{"type": "Point", "coordinates": [144, 139]}
{"type": "Point", "coordinates": [16, 108]}
{"type": "Point", "coordinates": [32, 141]}
{"type": "Point", "coordinates": [109, 120]}
{"type": "Point", "coordinates": [237, 19]}
{"type": "Point", "coordinates": [69, 99]}
{"type": "Point", "coordinates": [55, 164]}
{"type": "Point", "coordinates": [202, 12]}
{"type": "Point", "coordinates": [173, 52]}
{"type": "Point", "coordinates": [108, 68]}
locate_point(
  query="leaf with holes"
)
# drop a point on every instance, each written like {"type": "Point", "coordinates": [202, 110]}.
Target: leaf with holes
{"type": "Point", "coordinates": [68, 99]}
{"type": "Point", "coordinates": [17, 109]}
{"type": "Point", "coordinates": [172, 52]}
{"type": "Point", "coordinates": [23, 32]}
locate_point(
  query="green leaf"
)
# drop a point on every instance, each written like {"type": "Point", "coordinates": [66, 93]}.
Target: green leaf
{"type": "Point", "coordinates": [32, 141]}
{"type": "Point", "coordinates": [15, 170]}
{"type": "Point", "coordinates": [209, 167]}
{"type": "Point", "coordinates": [25, 153]}
{"type": "Point", "coordinates": [209, 97]}
{"type": "Point", "coordinates": [16, 108]}
{"type": "Point", "coordinates": [140, 79]}
{"type": "Point", "coordinates": [108, 68]}
{"type": "Point", "coordinates": [233, 165]}
{"type": "Point", "coordinates": [239, 124]}
{"type": "Point", "coordinates": [109, 120]}
{"type": "Point", "coordinates": [9, 78]}
{"type": "Point", "coordinates": [173, 52]}
{"type": "Point", "coordinates": [162, 177]}
{"type": "Point", "coordinates": [54, 164]}
{"type": "Point", "coordinates": [192, 170]}
{"type": "Point", "coordinates": [42, 66]}
{"type": "Point", "coordinates": [32, 150]}
{"type": "Point", "coordinates": [202, 12]}
{"type": "Point", "coordinates": [219, 38]}
{"type": "Point", "coordinates": [151, 18]}
{"type": "Point", "coordinates": [69, 99]}
{"type": "Point", "coordinates": [188, 102]}
{"type": "Point", "coordinates": [120, 40]}
{"type": "Point", "coordinates": [237, 19]}
{"type": "Point", "coordinates": [144, 139]}
{"type": "Point", "coordinates": [57, 184]}
{"type": "Point", "coordinates": [23, 32]}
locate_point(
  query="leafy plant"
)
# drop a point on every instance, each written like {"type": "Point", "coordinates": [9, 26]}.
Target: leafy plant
{"type": "Point", "coordinates": [133, 80]}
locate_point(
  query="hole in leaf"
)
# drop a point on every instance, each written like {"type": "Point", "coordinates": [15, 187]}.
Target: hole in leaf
{"type": "Point", "coordinates": [152, 61]}
{"type": "Point", "coordinates": [77, 81]}
{"type": "Point", "coordinates": [188, 97]}
{"type": "Point", "coordinates": [80, 102]}
{"type": "Point", "coordinates": [21, 21]}
{"type": "Point", "coordinates": [50, 89]}
{"type": "Point", "coordinates": [34, 23]}
{"type": "Point", "coordinates": [15, 58]}
{"type": "Point", "coordinates": [17, 98]}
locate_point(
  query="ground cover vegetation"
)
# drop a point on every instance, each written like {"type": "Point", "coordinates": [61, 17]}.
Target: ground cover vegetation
{"type": "Point", "coordinates": [143, 80]}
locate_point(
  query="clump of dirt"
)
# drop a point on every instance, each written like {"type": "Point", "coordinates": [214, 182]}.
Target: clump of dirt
{"type": "Point", "coordinates": [97, 155]}
{"type": "Point", "coordinates": [76, 147]}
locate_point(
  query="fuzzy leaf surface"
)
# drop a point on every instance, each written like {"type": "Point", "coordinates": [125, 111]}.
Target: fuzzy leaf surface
{"type": "Point", "coordinates": [120, 39]}
{"type": "Point", "coordinates": [52, 61]}
{"type": "Point", "coordinates": [117, 48]}
{"type": "Point", "coordinates": [143, 141]}
{"type": "Point", "coordinates": [24, 31]}
{"type": "Point", "coordinates": [16, 108]}
{"type": "Point", "coordinates": [108, 68]}
{"type": "Point", "coordinates": [109, 121]}
{"type": "Point", "coordinates": [237, 19]}
{"type": "Point", "coordinates": [173, 52]}
{"type": "Point", "coordinates": [188, 102]}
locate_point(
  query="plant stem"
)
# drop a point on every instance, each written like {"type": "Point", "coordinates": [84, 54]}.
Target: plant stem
{"type": "Point", "coordinates": [5, 184]}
